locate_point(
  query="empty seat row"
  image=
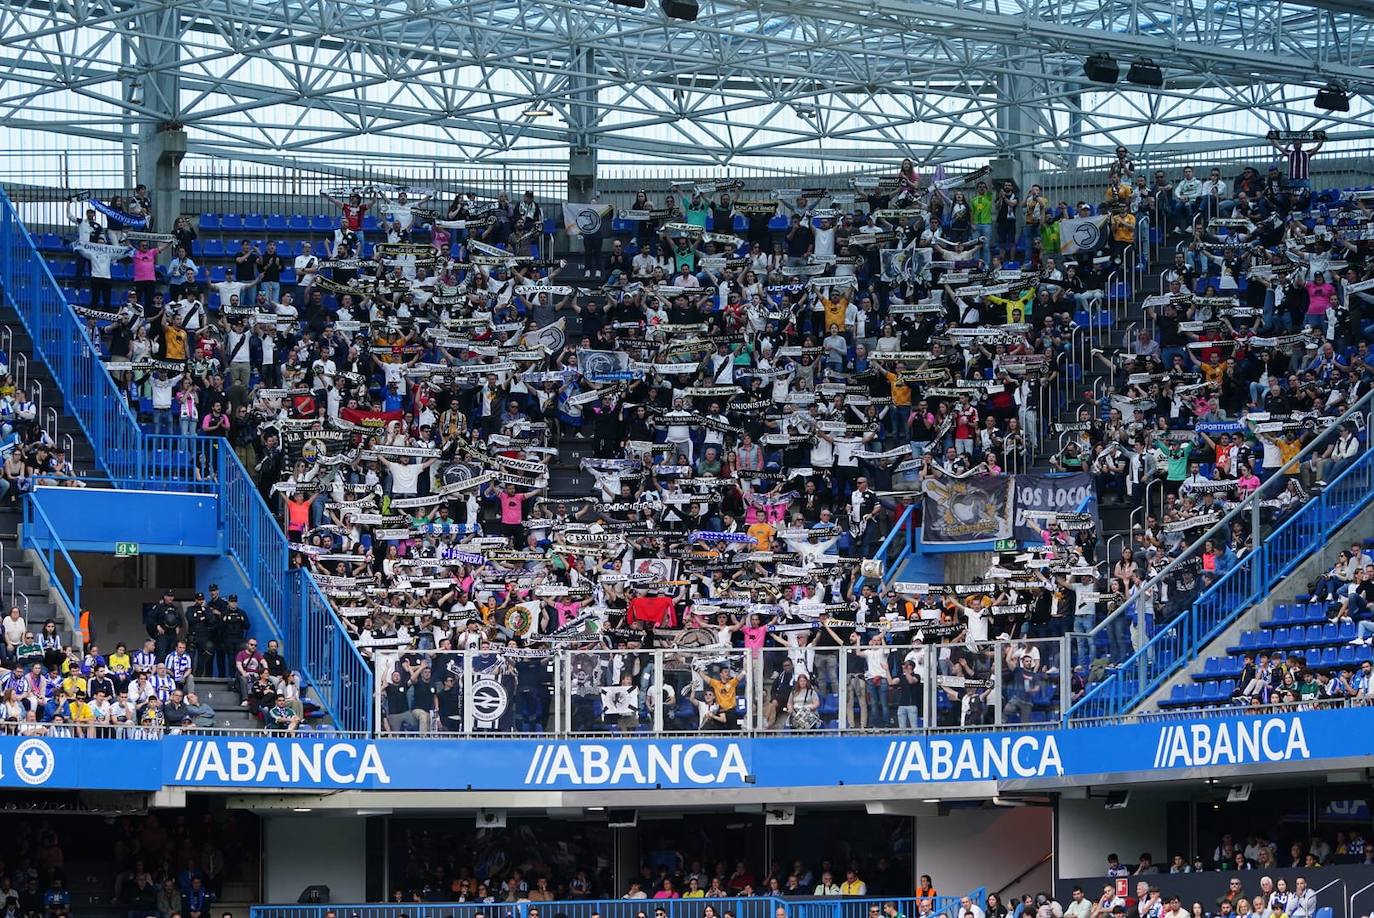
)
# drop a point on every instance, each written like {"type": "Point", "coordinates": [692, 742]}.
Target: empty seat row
{"type": "Point", "coordinates": [1285, 637]}
{"type": "Point", "coordinates": [1317, 658]}
{"type": "Point", "coordinates": [1296, 614]}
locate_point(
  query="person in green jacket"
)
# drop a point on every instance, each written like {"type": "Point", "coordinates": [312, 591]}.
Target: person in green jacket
{"type": "Point", "coordinates": [980, 208]}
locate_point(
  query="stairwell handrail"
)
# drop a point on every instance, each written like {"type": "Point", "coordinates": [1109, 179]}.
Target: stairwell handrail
{"type": "Point", "coordinates": [1364, 405]}
{"type": "Point", "coordinates": [901, 529]}
{"type": "Point", "coordinates": [1251, 565]}
{"type": "Point", "coordinates": [63, 343]}
{"type": "Point", "coordinates": [252, 534]}
{"type": "Point", "coordinates": [42, 535]}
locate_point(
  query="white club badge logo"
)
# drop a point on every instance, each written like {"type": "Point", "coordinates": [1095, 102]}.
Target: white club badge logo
{"type": "Point", "coordinates": [589, 221]}
{"type": "Point", "coordinates": [489, 702]}
{"type": "Point", "coordinates": [34, 761]}
{"type": "Point", "coordinates": [1087, 235]}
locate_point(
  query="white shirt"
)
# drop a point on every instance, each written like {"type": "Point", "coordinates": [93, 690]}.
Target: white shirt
{"type": "Point", "coordinates": [823, 241]}
{"type": "Point", "coordinates": [237, 347]}
{"type": "Point", "coordinates": [102, 256]}
{"type": "Point", "coordinates": [405, 479]}
{"type": "Point", "coordinates": [14, 629]}
{"type": "Point", "coordinates": [162, 392]}
{"type": "Point", "coordinates": [303, 262]}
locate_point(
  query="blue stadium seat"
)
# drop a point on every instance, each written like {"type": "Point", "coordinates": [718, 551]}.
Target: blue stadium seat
{"type": "Point", "coordinates": [1346, 632]}
{"type": "Point", "coordinates": [298, 223]}
{"type": "Point", "coordinates": [51, 242]}
{"type": "Point", "coordinates": [255, 222]}
{"type": "Point", "coordinates": [321, 223]}
{"type": "Point", "coordinates": [1328, 658]}
{"type": "Point", "coordinates": [288, 276]}
{"type": "Point", "coordinates": [231, 222]}
{"type": "Point", "coordinates": [1178, 696]}
{"type": "Point", "coordinates": [217, 274]}
{"type": "Point", "coordinates": [370, 223]}
{"type": "Point", "coordinates": [209, 222]}
{"type": "Point", "coordinates": [1193, 693]}
{"type": "Point", "coordinates": [1330, 633]}
{"type": "Point", "coordinates": [212, 248]}
{"type": "Point", "coordinates": [1345, 656]}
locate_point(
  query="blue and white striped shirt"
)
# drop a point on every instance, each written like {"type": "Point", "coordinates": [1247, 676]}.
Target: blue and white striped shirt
{"type": "Point", "coordinates": [179, 665]}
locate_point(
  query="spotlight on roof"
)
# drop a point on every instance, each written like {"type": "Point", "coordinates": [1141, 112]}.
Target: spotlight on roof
{"type": "Point", "coordinates": [1101, 68]}
{"type": "Point", "coordinates": [536, 111]}
{"type": "Point", "coordinates": [636, 4]}
{"type": "Point", "coordinates": [1145, 73]}
{"type": "Point", "coordinates": [685, 10]}
{"type": "Point", "coordinates": [1332, 98]}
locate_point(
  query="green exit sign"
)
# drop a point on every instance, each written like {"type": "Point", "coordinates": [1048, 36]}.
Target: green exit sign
{"type": "Point", "coordinates": [1005, 545]}
{"type": "Point", "coordinates": [126, 549]}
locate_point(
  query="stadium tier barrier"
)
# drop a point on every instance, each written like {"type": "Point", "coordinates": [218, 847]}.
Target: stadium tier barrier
{"type": "Point", "coordinates": [296, 613]}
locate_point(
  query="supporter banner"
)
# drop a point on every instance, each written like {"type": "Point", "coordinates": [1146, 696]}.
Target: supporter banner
{"type": "Point", "coordinates": [1063, 493]}
{"type": "Point", "coordinates": [973, 509]}
{"type": "Point", "coordinates": [1178, 749]}
{"type": "Point", "coordinates": [369, 418]}
{"type": "Point", "coordinates": [585, 219]}
{"type": "Point", "coordinates": [1083, 234]}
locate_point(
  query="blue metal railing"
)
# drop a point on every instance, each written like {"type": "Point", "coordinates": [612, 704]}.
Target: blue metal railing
{"type": "Point", "coordinates": [894, 548]}
{"type": "Point", "coordinates": [60, 341]}
{"type": "Point", "coordinates": [738, 906]}
{"type": "Point", "coordinates": [40, 535]}
{"type": "Point", "coordinates": [1178, 642]}
{"type": "Point", "coordinates": [129, 458]}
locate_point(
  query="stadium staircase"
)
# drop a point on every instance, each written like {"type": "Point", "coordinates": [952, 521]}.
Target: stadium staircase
{"type": "Point", "coordinates": [1247, 592]}
{"type": "Point", "coordinates": [26, 584]}
{"type": "Point", "coordinates": [284, 602]}
{"type": "Point", "coordinates": [1285, 621]}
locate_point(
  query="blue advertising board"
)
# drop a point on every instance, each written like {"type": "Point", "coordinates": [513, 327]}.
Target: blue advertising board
{"type": "Point", "coordinates": [1156, 750]}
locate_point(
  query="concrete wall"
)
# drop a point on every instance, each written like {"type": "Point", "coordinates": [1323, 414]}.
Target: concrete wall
{"type": "Point", "coordinates": [1087, 833]}
{"type": "Point", "coordinates": [972, 847]}
{"type": "Point", "coordinates": [306, 850]}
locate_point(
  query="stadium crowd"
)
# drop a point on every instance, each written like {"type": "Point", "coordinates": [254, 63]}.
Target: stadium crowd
{"type": "Point", "coordinates": [753, 413]}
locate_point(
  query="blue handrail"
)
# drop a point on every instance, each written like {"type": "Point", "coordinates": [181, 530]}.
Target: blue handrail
{"type": "Point", "coordinates": [40, 535]}
{"type": "Point", "coordinates": [739, 906]}
{"type": "Point", "coordinates": [129, 458]}
{"type": "Point", "coordinates": [1178, 642]}
{"type": "Point", "coordinates": [901, 531]}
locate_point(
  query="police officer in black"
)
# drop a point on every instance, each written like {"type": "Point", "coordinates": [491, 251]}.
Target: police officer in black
{"type": "Point", "coordinates": [233, 625]}
{"type": "Point", "coordinates": [202, 625]}
{"type": "Point", "coordinates": [164, 623]}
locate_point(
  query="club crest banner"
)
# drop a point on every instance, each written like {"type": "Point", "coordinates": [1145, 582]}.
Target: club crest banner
{"type": "Point", "coordinates": [973, 509]}
{"type": "Point", "coordinates": [585, 219]}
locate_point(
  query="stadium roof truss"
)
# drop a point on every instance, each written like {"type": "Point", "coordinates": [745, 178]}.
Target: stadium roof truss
{"type": "Point", "coordinates": [750, 81]}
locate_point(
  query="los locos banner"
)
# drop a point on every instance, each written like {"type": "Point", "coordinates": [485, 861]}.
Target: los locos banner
{"type": "Point", "coordinates": [982, 508]}
{"type": "Point", "coordinates": [1013, 759]}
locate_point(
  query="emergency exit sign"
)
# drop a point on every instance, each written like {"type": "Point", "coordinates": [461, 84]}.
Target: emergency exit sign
{"type": "Point", "coordinates": [126, 549]}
